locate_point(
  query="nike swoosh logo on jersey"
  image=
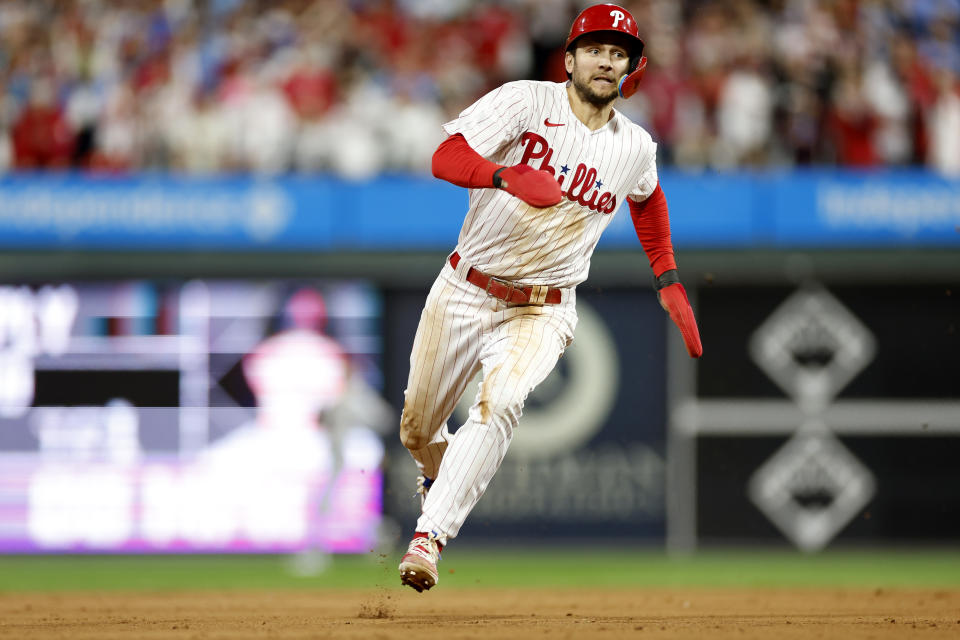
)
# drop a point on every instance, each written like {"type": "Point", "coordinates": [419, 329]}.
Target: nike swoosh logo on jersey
{"type": "Point", "coordinates": [547, 122]}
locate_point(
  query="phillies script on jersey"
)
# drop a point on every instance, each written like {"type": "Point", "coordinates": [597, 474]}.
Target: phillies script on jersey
{"type": "Point", "coordinates": [531, 122]}
{"type": "Point", "coordinates": [583, 182]}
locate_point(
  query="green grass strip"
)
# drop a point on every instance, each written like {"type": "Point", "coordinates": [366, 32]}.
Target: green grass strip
{"type": "Point", "coordinates": [468, 568]}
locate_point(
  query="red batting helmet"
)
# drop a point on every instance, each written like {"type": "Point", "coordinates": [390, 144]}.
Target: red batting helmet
{"type": "Point", "coordinates": [607, 17]}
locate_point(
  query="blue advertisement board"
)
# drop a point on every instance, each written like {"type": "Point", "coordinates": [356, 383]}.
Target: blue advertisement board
{"type": "Point", "coordinates": [406, 212]}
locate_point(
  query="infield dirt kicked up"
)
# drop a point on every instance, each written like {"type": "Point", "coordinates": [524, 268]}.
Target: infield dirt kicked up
{"type": "Point", "coordinates": [387, 613]}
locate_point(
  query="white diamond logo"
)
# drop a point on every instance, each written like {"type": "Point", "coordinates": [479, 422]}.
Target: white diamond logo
{"type": "Point", "coordinates": [812, 346]}
{"type": "Point", "coordinates": [811, 488]}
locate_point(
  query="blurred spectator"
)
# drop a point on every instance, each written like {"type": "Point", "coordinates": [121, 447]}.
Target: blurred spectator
{"type": "Point", "coordinates": [852, 123]}
{"type": "Point", "coordinates": [914, 76]}
{"type": "Point", "coordinates": [311, 87]}
{"type": "Point", "coordinates": [83, 108]}
{"type": "Point", "coordinates": [262, 121]}
{"type": "Point", "coordinates": [42, 138]}
{"type": "Point", "coordinates": [117, 144]}
{"type": "Point", "coordinates": [361, 86]}
{"type": "Point", "coordinates": [200, 136]}
{"type": "Point", "coordinates": [944, 127]}
{"type": "Point", "coordinates": [744, 117]}
{"type": "Point", "coordinates": [887, 97]}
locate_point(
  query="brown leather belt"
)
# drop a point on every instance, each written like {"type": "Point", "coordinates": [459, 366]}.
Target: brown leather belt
{"type": "Point", "coordinates": [504, 289]}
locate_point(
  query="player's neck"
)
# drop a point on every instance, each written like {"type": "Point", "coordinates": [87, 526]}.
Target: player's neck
{"type": "Point", "coordinates": [589, 114]}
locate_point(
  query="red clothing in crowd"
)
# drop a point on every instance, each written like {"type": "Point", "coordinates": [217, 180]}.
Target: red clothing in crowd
{"type": "Point", "coordinates": [41, 138]}
{"type": "Point", "coordinates": [852, 137]}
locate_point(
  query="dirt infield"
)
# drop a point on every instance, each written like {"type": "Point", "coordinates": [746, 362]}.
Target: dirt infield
{"type": "Point", "coordinates": [385, 614]}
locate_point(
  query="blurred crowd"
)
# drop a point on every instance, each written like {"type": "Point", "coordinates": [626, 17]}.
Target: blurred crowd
{"type": "Point", "coordinates": [359, 87]}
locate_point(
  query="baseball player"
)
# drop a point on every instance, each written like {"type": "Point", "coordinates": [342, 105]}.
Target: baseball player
{"type": "Point", "coordinates": [547, 165]}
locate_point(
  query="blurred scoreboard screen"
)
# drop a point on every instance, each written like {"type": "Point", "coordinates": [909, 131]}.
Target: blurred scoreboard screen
{"type": "Point", "coordinates": [212, 416]}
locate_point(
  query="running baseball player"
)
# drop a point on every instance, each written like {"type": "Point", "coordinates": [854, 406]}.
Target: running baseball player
{"type": "Point", "coordinates": [547, 164]}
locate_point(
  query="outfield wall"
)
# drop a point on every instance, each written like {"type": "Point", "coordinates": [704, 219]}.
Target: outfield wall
{"type": "Point", "coordinates": [826, 409]}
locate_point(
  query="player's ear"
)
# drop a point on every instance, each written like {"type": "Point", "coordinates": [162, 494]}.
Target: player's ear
{"type": "Point", "coordinates": [568, 61]}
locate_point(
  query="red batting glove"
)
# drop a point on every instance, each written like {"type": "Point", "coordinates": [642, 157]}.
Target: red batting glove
{"type": "Point", "coordinates": [629, 83]}
{"type": "Point", "coordinates": [673, 298]}
{"type": "Point", "coordinates": [536, 187]}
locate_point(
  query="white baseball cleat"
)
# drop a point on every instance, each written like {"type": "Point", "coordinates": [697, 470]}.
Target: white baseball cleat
{"type": "Point", "coordinates": [418, 568]}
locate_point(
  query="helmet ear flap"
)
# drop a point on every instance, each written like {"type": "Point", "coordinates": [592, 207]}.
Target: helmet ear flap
{"type": "Point", "coordinates": [630, 82]}
{"type": "Point", "coordinates": [637, 57]}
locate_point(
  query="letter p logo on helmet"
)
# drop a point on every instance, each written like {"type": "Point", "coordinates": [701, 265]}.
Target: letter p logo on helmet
{"type": "Point", "coordinates": [617, 17]}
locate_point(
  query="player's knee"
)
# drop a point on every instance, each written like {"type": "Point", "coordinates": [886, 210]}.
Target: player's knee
{"type": "Point", "coordinates": [412, 434]}
{"type": "Point", "coordinates": [498, 413]}
{"type": "Point", "coordinates": [412, 440]}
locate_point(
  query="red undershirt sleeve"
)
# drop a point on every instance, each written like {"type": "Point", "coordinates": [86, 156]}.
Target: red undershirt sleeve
{"type": "Point", "coordinates": [455, 161]}
{"type": "Point", "coordinates": [652, 223]}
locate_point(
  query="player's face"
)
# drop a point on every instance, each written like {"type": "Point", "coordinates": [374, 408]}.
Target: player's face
{"type": "Point", "coordinates": [596, 65]}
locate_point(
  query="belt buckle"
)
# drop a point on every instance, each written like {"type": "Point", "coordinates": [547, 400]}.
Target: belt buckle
{"type": "Point", "coordinates": [511, 289]}
{"type": "Point", "coordinates": [506, 283]}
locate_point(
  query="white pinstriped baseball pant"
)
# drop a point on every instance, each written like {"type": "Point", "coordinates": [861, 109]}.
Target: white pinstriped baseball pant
{"type": "Point", "coordinates": [463, 330]}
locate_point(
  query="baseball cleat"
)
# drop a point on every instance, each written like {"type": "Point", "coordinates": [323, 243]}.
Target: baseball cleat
{"type": "Point", "coordinates": [418, 568]}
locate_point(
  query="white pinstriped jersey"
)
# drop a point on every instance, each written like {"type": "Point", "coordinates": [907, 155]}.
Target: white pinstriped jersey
{"type": "Point", "coordinates": [531, 122]}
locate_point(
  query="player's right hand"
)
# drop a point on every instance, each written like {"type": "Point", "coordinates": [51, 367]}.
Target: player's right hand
{"type": "Point", "coordinates": [536, 187]}
{"type": "Point", "coordinates": [673, 298]}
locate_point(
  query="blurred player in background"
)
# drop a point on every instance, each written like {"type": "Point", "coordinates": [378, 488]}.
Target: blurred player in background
{"type": "Point", "coordinates": [547, 165]}
{"type": "Point", "coordinates": [316, 417]}
{"type": "Point", "coordinates": [295, 375]}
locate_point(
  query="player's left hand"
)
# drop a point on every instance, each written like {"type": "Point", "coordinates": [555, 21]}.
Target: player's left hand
{"type": "Point", "coordinates": [630, 82]}
{"type": "Point", "coordinates": [673, 298]}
